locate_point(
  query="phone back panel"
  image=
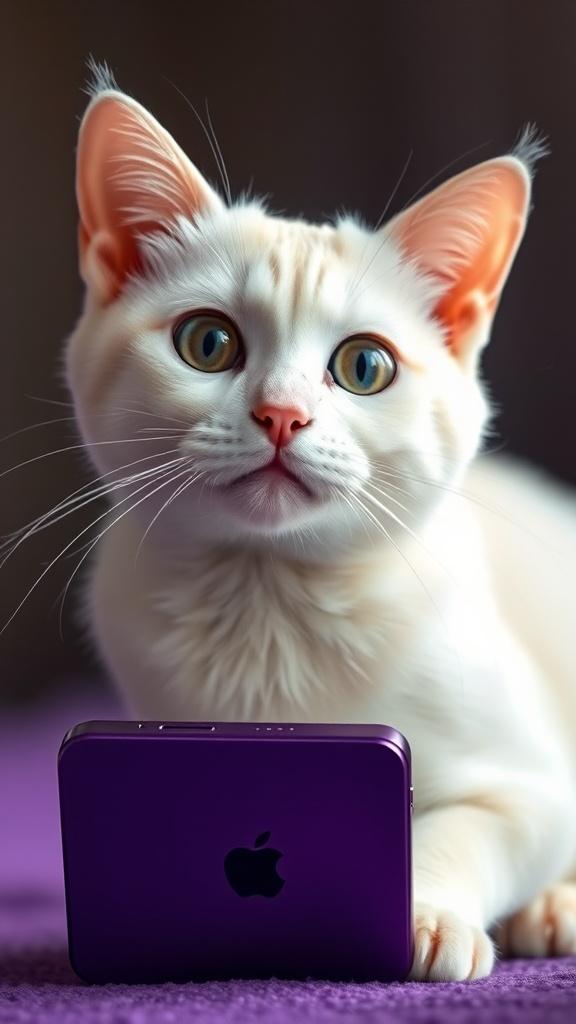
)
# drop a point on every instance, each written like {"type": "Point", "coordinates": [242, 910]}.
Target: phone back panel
{"type": "Point", "coordinates": [237, 852]}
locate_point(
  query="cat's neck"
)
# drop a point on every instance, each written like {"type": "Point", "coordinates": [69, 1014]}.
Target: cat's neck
{"type": "Point", "coordinates": [442, 553]}
{"type": "Point", "coordinates": [379, 572]}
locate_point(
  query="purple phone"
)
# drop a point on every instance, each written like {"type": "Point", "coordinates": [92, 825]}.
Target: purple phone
{"type": "Point", "coordinates": [203, 850]}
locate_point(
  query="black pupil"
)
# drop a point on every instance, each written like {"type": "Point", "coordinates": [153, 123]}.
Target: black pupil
{"type": "Point", "coordinates": [211, 340]}
{"type": "Point", "coordinates": [361, 367]}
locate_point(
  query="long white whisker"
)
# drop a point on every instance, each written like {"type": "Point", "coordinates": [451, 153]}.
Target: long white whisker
{"type": "Point", "coordinates": [164, 483]}
{"type": "Point", "coordinates": [175, 493]}
{"type": "Point", "coordinates": [392, 195]}
{"type": "Point", "coordinates": [67, 548]}
{"type": "Point", "coordinates": [102, 492]}
{"type": "Point", "coordinates": [357, 280]}
{"type": "Point", "coordinates": [411, 533]}
{"type": "Point", "coordinates": [79, 492]}
{"type": "Point", "coordinates": [147, 412]}
{"type": "Point", "coordinates": [446, 167]}
{"type": "Point", "coordinates": [221, 157]}
{"type": "Point", "coordinates": [393, 516]}
{"type": "Point", "coordinates": [112, 412]}
{"type": "Point", "coordinates": [389, 537]}
{"type": "Point", "coordinates": [466, 496]}
{"type": "Point", "coordinates": [425, 588]}
{"type": "Point", "coordinates": [35, 426]}
{"type": "Point", "coordinates": [395, 487]}
{"type": "Point", "coordinates": [78, 500]}
{"type": "Point", "coordinates": [153, 430]}
{"type": "Point", "coordinates": [49, 401]}
{"type": "Point", "coordinates": [344, 495]}
{"type": "Point", "coordinates": [216, 153]}
{"type": "Point", "coordinates": [389, 497]}
{"type": "Point", "coordinates": [87, 444]}
{"type": "Point", "coordinates": [73, 419]}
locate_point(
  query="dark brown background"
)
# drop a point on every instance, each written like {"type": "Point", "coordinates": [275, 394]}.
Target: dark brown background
{"type": "Point", "coordinates": [320, 103]}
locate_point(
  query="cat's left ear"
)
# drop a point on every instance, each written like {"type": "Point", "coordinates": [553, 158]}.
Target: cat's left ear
{"type": "Point", "coordinates": [132, 180]}
{"type": "Point", "coordinates": [464, 236]}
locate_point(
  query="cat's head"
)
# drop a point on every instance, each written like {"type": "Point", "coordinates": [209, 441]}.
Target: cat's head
{"type": "Point", "coordinates": [263, 378]}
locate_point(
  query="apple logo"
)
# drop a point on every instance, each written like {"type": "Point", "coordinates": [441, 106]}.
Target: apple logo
{"type": "Point", "coordinates": [253, 872]}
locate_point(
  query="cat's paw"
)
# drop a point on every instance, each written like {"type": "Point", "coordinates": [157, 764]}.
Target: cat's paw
{"type": "Point", "coordinates": [446, 948]}
{"type": "Point", "coordinates": [546, 927]}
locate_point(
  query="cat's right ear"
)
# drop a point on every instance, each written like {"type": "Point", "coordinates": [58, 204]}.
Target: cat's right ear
{"type": "Point", "coordinates": [132, 179]}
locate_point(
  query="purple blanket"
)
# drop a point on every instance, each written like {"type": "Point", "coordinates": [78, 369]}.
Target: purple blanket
{"type": "Point", "coordinates": [37, 984]}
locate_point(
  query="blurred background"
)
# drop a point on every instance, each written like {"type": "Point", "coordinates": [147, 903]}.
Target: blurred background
{"type": "Point", "coordinates": [319, 103]}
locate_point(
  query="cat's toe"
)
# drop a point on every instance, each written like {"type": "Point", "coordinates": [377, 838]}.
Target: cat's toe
{"type": "Point", "coordinates": [448, 948]}
{"type": "Point", "coordinates": [546, 927]}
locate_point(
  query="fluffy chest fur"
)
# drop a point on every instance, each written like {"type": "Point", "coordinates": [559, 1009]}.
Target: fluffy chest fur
{"type": "Point", "coordinates": [236, 633]}
{"type": "Point", "coordinates": [239, 633]}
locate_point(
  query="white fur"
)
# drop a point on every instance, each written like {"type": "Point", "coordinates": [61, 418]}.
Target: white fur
{"type": "Point", "coordinates": [456, 627]}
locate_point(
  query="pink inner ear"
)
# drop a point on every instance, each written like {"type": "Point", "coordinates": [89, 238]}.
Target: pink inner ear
{"type": "Point", "coordinates": [132, 180]}
{"type": "Point", "coordinates": [465, 234]}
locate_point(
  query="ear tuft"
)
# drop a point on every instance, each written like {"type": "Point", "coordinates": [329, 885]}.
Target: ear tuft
{"type": "Point", "coordinates": [530, 147]}
{"type": "Point", "coordinates": [101, 78]}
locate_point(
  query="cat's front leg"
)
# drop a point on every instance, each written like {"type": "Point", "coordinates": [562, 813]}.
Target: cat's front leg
{"type": "Point", "coordinates": [474, 862]}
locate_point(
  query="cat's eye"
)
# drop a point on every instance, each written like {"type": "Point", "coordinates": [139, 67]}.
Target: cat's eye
{"type": "Point", "coordinates": [208, 342]}
{"type": "Point", "coordinates": [363, 365]}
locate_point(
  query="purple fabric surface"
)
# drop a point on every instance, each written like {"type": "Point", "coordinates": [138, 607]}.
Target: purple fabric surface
{"type": "Point", "coordinates": [37, 984]}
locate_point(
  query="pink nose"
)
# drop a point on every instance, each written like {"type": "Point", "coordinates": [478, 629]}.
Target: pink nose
{"type": "Point", "coordinates": [280, 422]}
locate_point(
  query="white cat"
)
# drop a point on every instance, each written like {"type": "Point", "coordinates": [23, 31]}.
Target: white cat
{"type": "Point", "coordinates": [286, 415]}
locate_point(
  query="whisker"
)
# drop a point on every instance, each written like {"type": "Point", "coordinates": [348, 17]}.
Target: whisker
{"type": "Point", "coordinates": [49, 401]}
{"type": "Point", "coordinates": [408, 202]}
{"type": "Point", "coordinates": [77, 494]}
{"type": "Point", "coordinates": [388, 535]}
{"type": "Point", "coordinates": [112, 412]}
{"type": "Point", "coordinates": [148, 412]}
{"type": "Point", "coordinates": [394, 517]}
{"type": "Point", "coordinates": [434, 177]}
{"type": "Point", "coordinates": [73, 419]}
{"type": "Point", "coordinates": [389, 497]}
{"type": "Point", "coordinates": [220, 156]}
{"type": "Point", "coordinates": [69, 545]}
{"type": "Point", "coordinates": [43, 522]}
{"type": "Point", "coordinates": [87, 444]}
{"type": "Point", "coordinates": [425, 588]}
{"type": "Point", "coordinates": [360, 274]}
{"type": "Point", "coordinates": [223, 172]}
{"type": "Point", "coordinates": [35, 426]}
{"type": "Point", "coordinates": [216, 152]}
{"type": "Point", "coordinates": [154, 430]}
{"type": "Point", "coordinates": [467, 496]}
{"type": "Point", "coordinates": [395, 487]}
{"type": "Point", "coordinates": [342, 494]}
{"type": "Point", "coordinates": [175, 494]}
{"type": "Point", "coordinates": [412, 534]}
{"type": "Point", "coordinates": [394, 190]}
{"type": "Point", "coordinates": [164, 483]}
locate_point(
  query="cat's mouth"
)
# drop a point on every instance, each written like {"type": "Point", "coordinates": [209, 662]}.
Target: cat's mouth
{"type": "Point", "coordinates": [274, 473]}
